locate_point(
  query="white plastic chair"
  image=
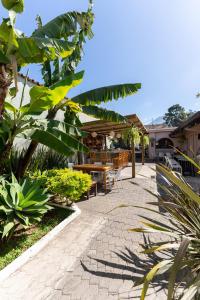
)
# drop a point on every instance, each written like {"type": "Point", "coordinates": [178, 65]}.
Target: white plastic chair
{"type": "Point", "coordinates": [114, 177]}
{"type": "Point", "coordinates": [70, 165]}
{"type": "Point", "coordinates": [96, 175]}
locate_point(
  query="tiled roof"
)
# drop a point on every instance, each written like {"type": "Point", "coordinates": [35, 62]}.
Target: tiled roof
{"type": "Point", "coordinates": [190, 122]}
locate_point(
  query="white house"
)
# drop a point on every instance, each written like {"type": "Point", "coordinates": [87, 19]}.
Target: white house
{"type": "Point", "coordinates": [160, 140]}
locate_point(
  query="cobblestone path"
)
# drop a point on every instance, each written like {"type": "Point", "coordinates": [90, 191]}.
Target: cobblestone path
{"type": "Point", "coordinates": [95, 258]}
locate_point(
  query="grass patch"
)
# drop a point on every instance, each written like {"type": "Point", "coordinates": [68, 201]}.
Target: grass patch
{"type": "Point", "coordinates": [10, 250]}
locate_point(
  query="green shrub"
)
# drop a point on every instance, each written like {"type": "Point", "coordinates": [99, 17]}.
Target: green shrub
{"type": "Point", "coordinates": [65, 182]}
{"type": "Point", "coordinates": [21, 204]}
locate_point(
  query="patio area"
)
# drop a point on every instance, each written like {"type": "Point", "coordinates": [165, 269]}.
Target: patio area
{"type": "Point", "coordinates": [95, 257]}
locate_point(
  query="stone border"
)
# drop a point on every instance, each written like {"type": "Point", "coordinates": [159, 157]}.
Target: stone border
{"type": "Point", "coordinates": [39, 245]}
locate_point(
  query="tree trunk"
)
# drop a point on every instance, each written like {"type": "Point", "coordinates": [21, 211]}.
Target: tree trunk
{"type": "Point", "coordinates": [5, 82]}
{"type": "Point", "coordinates": [25, 161]}
{"type": "Point", "coordinates": [5, 156]}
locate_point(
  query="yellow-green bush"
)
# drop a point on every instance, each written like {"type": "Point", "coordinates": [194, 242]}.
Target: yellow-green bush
{"type": "Point", "coordinates": [65, 182]}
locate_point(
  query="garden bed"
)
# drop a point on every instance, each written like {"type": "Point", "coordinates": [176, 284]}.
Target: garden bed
{"type": "Point", "coordinates": [23, 240]}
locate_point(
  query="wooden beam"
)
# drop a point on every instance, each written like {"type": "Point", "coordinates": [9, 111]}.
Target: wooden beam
{"type": "Point", "coordinates": [105, 141]}
{"type": "Point", "coordinates": [105, 127]}
{"type": "Point", "coordinates": [133, 160]}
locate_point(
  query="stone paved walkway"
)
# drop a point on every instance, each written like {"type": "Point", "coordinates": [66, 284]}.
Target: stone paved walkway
{"type": "Point", "coordinates": [95, 257]}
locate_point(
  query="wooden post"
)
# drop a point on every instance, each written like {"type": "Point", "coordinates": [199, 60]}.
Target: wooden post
{"type": "Point", "coordinates": [105, 141]}
{"type": "Point", "coordinates": [133, 159]}
{"type": "Point", "coordinates": [143, 150]}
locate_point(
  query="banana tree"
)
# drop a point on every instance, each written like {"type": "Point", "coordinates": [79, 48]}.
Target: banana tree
{"type": "Point", "coordinates": [56, 39]}
{"type": "Point", "coordinates": [52, 44]}
{"type": "Point", "coordinates": [48, 43]}
{"type": "Point", "coordinates": [26, 121]}
{"type": "Point", "coordinates": [42, 100]}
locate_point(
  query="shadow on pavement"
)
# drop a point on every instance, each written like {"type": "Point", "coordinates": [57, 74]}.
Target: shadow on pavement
{"type": "Point", "coordinates": [135, 270]}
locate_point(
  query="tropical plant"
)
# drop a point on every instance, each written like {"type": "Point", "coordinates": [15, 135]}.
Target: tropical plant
{"type": "Point", "coordinates": [146, 140]}
{"type": "Point", "coordinates": [59, 78]}
{"type": "Point", "coordinates": [179, 221]}
{"type": "Point", "coordinates": [46, 43]}
{"type": "Point", "coordinates": [50, 42]}
{"type": "Point", "coordinates": [65, 183]}
{"type": "Point", "coordinates": [47, 159]}
{"type": "Point", "coordinates": [21, 204]}
{"type": "Point", "coordinates": [43, 159]}
{"type": "Point", "coordinates": [132, 136]}
{"type": "Point", "coordinates": [23, 122]}
{"type": "Point", "coordinates": [42, 99]}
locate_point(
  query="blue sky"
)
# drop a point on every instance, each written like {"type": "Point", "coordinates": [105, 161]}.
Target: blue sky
{"type": "Point", "coordinates": [155, 42]}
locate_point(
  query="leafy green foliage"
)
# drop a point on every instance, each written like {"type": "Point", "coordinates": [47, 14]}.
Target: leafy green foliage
{"type": "Point", "coordinates": [47, 159]}
{"type": "Point", "coordinates": [30, 49]}
{"type": "Point", "coordinates": [59, 141]}
{"type": "Point", "coordinates": [43, 159]}
{"type": "Point", "coordinates": [21, 241]}
{"type": "Point", "coordinates": [22, 122]}
{"type": "Point", "coordinates": [180, 223]}
{"type": "Point", "coordinates": [65, 182]}
{"type": "Point", "coordinates": [77, 26]}
{"type": "Point", "coordinates": [146, 140]}
{"type": "Point", "coordinates": [58, 45]}
{"type": "Point", "coordinates": [103, 114]}
{"type": "Point", "coordinates": [132, 135]}
{"type": "Point", "coordinates": [15, 5]}
{"type": "Point", "coordinates": [175, 115]}
{"type": "Point", "coordinates": [106, 94]}
{"type": "Point", "coordinates": [39, 50]}
{"type": "Point", "coordinates": [44, 98]}
{"type": "Point", "coordinates": [64, 25]}
{"type": "Point", "coordinates": [21, 204]}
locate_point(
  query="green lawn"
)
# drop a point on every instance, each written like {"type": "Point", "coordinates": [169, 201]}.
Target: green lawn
{"type": "Point", "coordinates": [18, 244]}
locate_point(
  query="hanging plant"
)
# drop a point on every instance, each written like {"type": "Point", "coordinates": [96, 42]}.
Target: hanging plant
{"type": "Point", "coordinates": [146, 140]}
{"type": "Point", "coordinates": [132, 135]}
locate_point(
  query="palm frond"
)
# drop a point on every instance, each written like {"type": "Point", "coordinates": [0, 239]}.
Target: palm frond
{"type": "Point", "coordinates": [63, 26]}
{"type": "Point", "coordinates": [103, 114]}
{"type": "Point", "coordinates": [105, 94]}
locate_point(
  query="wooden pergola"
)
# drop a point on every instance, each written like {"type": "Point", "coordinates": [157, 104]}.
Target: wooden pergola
{"type": "Point", "coordinates": [105, 127]}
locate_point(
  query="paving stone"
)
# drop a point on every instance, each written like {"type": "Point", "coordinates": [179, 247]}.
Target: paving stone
{"type": "Point", "coordinates": [95, 257]}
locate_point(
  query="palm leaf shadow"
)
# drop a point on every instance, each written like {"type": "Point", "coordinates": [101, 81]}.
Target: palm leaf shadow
{"type": "Point", "coordinates": [131, 268]}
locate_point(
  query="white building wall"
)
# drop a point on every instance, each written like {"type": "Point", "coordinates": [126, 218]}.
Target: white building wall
{"type": "Point", "coordinates": [155, 136]}
{"type": "Point", "coordinates": [22, 143]}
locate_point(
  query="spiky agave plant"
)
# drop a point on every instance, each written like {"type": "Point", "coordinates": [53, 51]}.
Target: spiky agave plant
{"type": "Point", "coordinates": [180, 223]}
{"type": "Point", "coordinates": [21, 204]}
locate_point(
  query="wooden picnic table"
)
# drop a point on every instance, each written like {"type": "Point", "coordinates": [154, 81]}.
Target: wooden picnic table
{"type": "Point", "coordinates": [87, 168]}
